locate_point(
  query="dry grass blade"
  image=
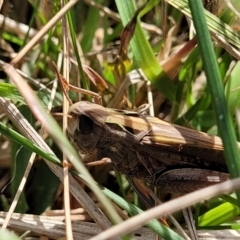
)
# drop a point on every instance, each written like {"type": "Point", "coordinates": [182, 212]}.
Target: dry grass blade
{"type": "Point", "coordinates": [66, 63]}
{"type": "Point", "coordinates": [54, 227]}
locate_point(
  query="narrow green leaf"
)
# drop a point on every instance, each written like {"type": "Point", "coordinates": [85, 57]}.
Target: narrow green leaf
{"type": "Point", "coordinates": [10, 91]}
{"type": "Point", "coordinates": [42, 188]}
{"type": "Point", "coordinates": [143, 54]}
{"type": "Point", "coordinates": [214, 81]}
{"type": "Point", "coordinates": [90, 27]}
{"type": "Point", "coordinates": [219, 215]}
{"type": "Point", "coordinates": [10, 133]}
{"type": "Point", "coordinates": [233, 89]}
{"type": "Point", "coordinates": [74, 42]}
{"type": "Point", "coordinates": [20, 161]}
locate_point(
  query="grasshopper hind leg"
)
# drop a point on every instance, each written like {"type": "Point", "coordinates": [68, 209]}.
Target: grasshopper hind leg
{"type": "Point", "coordinates": [186, 180]}
{"type": "Point", "coordinates": [150, 200]}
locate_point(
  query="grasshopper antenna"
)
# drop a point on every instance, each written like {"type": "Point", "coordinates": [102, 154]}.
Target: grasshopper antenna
{"type": "Point", "coordinates": [66, 86]}
{"type": "Point", "coordinates": [63, 83]}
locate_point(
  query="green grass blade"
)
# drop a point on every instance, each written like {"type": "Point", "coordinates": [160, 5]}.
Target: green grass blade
{"type": "Point", "coordinates": [214, 24]}
{"type": "Point", "coordinates": [15, 136]}
{"type": "Point", "coordinates": [214, 81]}
{"type": "Point", "coordinates": [219, 215]}
{"type": "Point", "coordinates": [143, 53]}
{"type": "Point", "coordinates": [233, 90]}
{"type": "Point", "coordinates": [90, 27]}
{"type": "Point", "coordinates": [161, 230]}
{"type": "Point", "coordinates": [6, 234]}
{"type": "Point", "coordinates": [73, 37]}
{"type": "Point", "coordinates": [10, 91]}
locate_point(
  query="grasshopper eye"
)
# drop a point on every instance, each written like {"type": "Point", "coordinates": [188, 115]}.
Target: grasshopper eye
{"type": "Point", "coordinates": [85, 124]}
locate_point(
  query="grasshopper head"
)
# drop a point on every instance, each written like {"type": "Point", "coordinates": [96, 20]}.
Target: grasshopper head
{"type": "Point", "coordinates": [85, 126]}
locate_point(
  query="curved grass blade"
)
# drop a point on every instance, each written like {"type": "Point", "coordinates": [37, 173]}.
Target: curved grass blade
{"type": "Point", "coordinates": [219, 215]}
{"type": "Point", "coordinates": [214, 24]}
{"type": "Point", "coordinates": [143, 54]}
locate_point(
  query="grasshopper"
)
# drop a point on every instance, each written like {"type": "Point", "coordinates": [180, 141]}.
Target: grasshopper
{"type": "Point", "coordinates": [148, 150]}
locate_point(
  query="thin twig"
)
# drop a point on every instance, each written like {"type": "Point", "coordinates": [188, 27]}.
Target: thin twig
{"type": "Point", "coordinates": [66, 62]}
{"type": "Point", "coordinates": [19, 191]}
